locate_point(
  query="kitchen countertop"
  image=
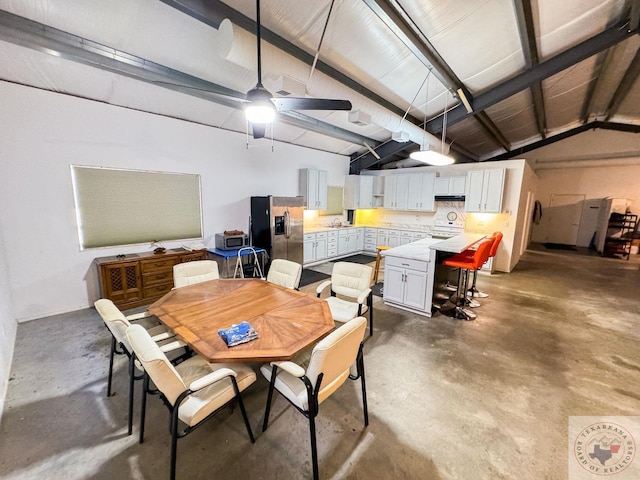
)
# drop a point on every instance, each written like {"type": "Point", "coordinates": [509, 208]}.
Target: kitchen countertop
{"type": "Point", "coordinates": [421, 249]}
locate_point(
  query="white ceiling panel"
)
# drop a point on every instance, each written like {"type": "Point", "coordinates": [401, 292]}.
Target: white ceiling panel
{"type": "Point", "coordinates": [515, 117]}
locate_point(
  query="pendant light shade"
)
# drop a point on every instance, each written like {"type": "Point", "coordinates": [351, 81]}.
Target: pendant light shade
{"type": "Point", "coordinates": [431, 157]}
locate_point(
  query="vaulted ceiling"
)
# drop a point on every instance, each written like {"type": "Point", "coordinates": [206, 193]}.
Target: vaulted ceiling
{"type": "Point", "coordinates": [495, 79]}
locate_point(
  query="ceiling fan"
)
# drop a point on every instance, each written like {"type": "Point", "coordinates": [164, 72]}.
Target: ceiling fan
{"type": "Point", "coordinates": [261, 106]}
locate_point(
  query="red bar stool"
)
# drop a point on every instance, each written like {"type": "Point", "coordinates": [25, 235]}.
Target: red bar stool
{"type": "Point", "coordinates": [466, 264]}
{"type": "Point", "coordinates": [473, 291]}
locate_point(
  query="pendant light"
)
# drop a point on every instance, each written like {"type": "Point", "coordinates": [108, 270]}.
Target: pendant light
{"type": "Point", "coordinates": [427, 154]}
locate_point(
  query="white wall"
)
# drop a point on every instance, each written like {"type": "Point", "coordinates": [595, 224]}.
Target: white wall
{"type": "Point", "coordinates": [43, 133]}
{"type": "Point", "coordinates": [7, 323]}
{"type": "Point", "coordinates": [595, 180]}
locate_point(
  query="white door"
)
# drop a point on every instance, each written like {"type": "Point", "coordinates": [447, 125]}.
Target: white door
{"type": "Point", "coordinates": [564, 218]}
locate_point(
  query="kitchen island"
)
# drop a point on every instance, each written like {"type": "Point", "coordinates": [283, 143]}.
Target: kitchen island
{"type": "Point", "coordinates": [410, 270]}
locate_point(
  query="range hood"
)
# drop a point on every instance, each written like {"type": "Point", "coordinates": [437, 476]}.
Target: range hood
{"type": "Point", "coordinates": [449, 198]}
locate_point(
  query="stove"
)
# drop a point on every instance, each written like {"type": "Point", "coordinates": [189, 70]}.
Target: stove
{"type": "Point", "coordinates": [448, 220]}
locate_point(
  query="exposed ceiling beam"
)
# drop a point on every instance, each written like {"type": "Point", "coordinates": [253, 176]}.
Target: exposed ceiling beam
{"type": "Point", "coordinates": [34, 35]}
{"type": "Point", "coordinates": [212, 12]}
{"type": "Point", "coordinates": [560, 62]}
{"type": "Point", "coordinates": [601, 66]}
{"type": "Point", "coordinates": [386, 150]}
{"type": "Point", "coordinates": [625, 85]}
{"type": "Point", "coordinates": [634, 15]}
{"type": "Point", "coordinates": [621, 127]}
{"type": "Point", "coordinates": [492, 130]}
{"type": "Point", "coordinates": [526, 29]}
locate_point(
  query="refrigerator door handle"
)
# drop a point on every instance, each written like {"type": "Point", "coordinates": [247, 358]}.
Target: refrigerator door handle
{"type": "Point", "coordinates": [287, 224]}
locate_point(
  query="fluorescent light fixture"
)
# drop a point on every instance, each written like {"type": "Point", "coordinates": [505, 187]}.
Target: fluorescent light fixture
{"type": "Point", "coordinates": [465, 100]}
{"type": "Point", "coordinates": [260, 108]}
{"type": "Point", "coordinates": [431, 157]}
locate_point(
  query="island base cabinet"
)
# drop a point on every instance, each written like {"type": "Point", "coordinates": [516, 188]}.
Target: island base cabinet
{"type": "Point", "coordinates": [406, 284]}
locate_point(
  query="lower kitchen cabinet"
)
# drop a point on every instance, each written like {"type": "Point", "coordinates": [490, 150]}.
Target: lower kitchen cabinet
{"type": "Point", "coordinates": [406, 284]}
{"type": "Point", "coordinates": [314, 247]}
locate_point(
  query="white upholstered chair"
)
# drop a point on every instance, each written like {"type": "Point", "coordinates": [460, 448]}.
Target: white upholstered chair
{"type": "Point", "coordinates": [193, 390]}
{"type": "Point", "coordinates": [329, 367]}
{"type": "Point", "coordinates": [189, 273]}
{"type": "Point", "coordinates": [352, 282]}
{"type": "Point", "coordinates": [117, 323]}
{"type": "Point", "coordinates": [285, 272]}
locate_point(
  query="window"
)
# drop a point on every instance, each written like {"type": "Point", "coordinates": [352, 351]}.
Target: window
{"type": "Point", "coordinates": [123, 207]}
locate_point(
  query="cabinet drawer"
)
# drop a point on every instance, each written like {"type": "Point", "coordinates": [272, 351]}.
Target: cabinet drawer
{"type": "Point", "coordinates": [191, 257]}
{"type": "Point", "coordinates": [332, 252]}
{"type": "Point", "coordinates": [157, 290]}
{"type": "Point", "coordinates": [159, 264]}
{"type": "Point", "coordinates": [309, 237]}
{"type": "Point", "coordinates": [418, 265]}
{"type": "Point", "coordinates": [321, 234]}
{"type": "Point", "coordinates": [158, 277]}
{"type": "Point", "coordinates": [332, 234]}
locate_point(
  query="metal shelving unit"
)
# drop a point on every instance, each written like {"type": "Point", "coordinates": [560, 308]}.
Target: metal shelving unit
{"type": "Point", "coordinates": [620, 233]}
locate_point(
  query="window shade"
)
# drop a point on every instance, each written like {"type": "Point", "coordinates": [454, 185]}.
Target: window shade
{"type": "Point", "coordinates": [122, 207]}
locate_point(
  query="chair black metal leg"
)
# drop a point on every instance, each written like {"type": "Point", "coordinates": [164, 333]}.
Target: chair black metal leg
{"type": "Point", "coordinates": [131, 388]}
{"type": "Point", "coordinates": [143, 405]}
{"type": "Point", "coordinates": [269, 397]}
{"type": "Point", "coordinates": [244, 412]}
{"type": "Point", "coordinates": [364, 387]}
{"type": "Point", "coordinates": [314, 447]}
{"type": "Point", "coordinates": [113, 351]}
{"type": "Point", "coordinates": [174, 442]}
{"type": "Point", "coordinates": [370, 301]}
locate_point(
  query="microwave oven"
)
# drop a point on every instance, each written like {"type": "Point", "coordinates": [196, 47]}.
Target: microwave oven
{"type": "Point", "coordinates": [230, 242]}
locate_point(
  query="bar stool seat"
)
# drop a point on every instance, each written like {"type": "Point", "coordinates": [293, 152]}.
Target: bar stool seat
{"type": "Point", "coordinates": [379, 249]}
{"type": "Point", "coordinates": [466, 264]}
{"type": "Point", "coordinates": [496, 238]}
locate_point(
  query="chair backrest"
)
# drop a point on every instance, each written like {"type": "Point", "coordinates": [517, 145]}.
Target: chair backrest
{"type": "Point", "coordinates": [497, 238]}
{"type": "Point", "coordinates": [115, 321]}
{"type": "Point", "coordinates": [334, 355]}
{"type": "Point", "coordinates": [481, 255]}
{"type": "Point", "coordinates": [189, 273]}
{"type": "Point", "coordinates": [350, 279]}
{"type": "Point", "coordinates": [155, 363]}
{"type": "Point", "coordinates": [285, 272]}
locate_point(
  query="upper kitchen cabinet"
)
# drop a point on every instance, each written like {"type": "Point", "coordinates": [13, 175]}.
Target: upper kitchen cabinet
{"type": "Point", "coordinates": [396, 192]}
{"type": "Point", "coordinates": [420, 196]}
{"type": "Point", "coordinates": [313, 187]}
{"type": "Point", "coordinates": [450, 185]}
{"type": "Point", "coordinates": [358, 192]}
{"type": "Point", "coordinates": [484, 190]}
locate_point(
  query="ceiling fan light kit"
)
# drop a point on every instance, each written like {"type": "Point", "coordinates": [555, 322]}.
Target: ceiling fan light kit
{"type": "Point", "coordinates": [260, 108]}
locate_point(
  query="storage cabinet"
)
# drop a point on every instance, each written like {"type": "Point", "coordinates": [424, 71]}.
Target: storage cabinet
{"type": "Point", "coordinates": [140, 279]}
{"type": "Point", "coordinates": [313, 187]}
{"type": "Point", "coordinates": [484, 190]}
{"type": "Point", "coordinates": [405, 282]}
{"type": "Point", "coordinates": [358, 192]}
{"type": "Point", "coordinates": [450, 185]}
{"type": "Point", "coordinates": [620, 234]}
{"type": "Point", "coordinates": [420, 196]}
{"type": "Point", "coordinates": [396, 192]}
{"type": "Point", "coordinates": [314, 247]}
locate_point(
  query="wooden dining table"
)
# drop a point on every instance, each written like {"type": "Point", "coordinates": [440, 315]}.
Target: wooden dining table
{"type": "Point", "coordinates": [287, 321]}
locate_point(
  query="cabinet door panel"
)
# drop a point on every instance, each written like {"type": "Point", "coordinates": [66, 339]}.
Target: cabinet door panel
{"type": "Point", "coordinates": [493, 182]}
{"type": "Point", "coordinates": [415, 289]}
{"type": "Point", "coordinates": [393, 284]}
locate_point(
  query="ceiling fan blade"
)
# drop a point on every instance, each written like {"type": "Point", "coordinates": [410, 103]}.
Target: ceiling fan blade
{"type": "Point", "coordinates": [258, 129]}
{"type": "Point", "coordinates": [295, 103]}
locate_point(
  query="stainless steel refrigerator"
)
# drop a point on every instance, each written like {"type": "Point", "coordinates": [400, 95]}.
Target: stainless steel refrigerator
{"type": "Point", "coordinates": [277, 226]}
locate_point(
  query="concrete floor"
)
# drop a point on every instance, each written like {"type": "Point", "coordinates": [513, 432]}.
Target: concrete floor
{"type": "Point", "coordinates": [488, 399]}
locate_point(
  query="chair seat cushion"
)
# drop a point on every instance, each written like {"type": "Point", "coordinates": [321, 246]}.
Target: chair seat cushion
{"type": "Point", "coordinates": [343, 310]}
{"type": "Point", "coordinates": [291, 387]}
{"type": "Point", "coordinates": [201, 404]}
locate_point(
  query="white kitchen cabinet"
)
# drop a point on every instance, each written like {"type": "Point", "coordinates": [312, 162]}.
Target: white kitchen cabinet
{"type": "Point", "coordinates": [405, 283]}
{"type": "Point", "coordinates": [396, 192]}
{"type": "Point", "coordinates": [382, 237]}
{"type": "Point", "coordinates": [358, 192]}
{"type": "Point", "coordinates": [393, 238]}
{"type": "Point", "coordinates": [450, 185]}
{"type": "Point", "coordinates": [314, 247]}
{"type": "Point", "coordinates": [370, 239]}
{"type": "Point", "coordinates": [332, 244]}
{"type": "Point", "coordinates": [313, 187]}
{"type": "Point", "coordinates": [420, 193]}
{"type": "Point", "coordinates": [406, 237]}
{"type": "Point", "coordinates": [359, 239]}
{"type": "Point", "coordinates": [484, 190]}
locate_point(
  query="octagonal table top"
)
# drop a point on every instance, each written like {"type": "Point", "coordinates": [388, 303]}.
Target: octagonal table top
{"type": "Point", "coordinates": [287, 321]}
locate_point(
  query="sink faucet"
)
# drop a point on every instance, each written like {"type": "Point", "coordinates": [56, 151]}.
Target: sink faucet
{"type": "Point", "coordinates": [337, 222]}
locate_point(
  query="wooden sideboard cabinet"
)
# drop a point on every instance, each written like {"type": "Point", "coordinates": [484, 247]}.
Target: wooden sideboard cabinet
{"type": "Point", "coordinates": [140, 278]}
